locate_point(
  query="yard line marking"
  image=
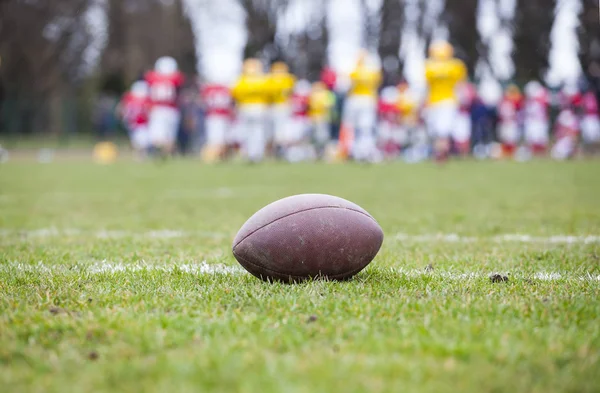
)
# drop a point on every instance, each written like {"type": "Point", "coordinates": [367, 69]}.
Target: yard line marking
{"type": "Point", "coordinates": [120, 267]}
{"type": "Point", "coordinates": [204, 268]}
{"type": "Point", "coordinates": [417, 238]}
{"type": "Point", "coordinates": [193, 268]}
{"type": "Point", "coordinates": [505, 238]}
{"type": "Point", "coordinates": [109, 234]}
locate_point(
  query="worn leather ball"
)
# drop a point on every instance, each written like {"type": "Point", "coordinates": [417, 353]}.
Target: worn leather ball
{"type": "Point", "coordinates": [308, 236]}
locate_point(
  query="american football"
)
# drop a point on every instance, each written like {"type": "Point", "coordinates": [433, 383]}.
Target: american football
{"type": "Point", "coordinates": [357, 196]}
{"type": "Point", "coordinates": [308, 236]}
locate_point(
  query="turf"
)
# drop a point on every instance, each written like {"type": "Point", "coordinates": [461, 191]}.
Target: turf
{"type": "Point", "coordinates": [120, 278]}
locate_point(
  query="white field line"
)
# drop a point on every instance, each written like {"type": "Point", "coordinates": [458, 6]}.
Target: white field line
{"type": "Point", "coordinates": [505, 238]}
{"type": "Point", "coordinates": [120, 267]}
{"type": "Point", "coordinates": [204, 268]}
{"type": "Point", "coordinates": [204, 193]}
{"type": "Point", "coordinates": [171, 234]}
{"type": "Point", "coordinates": [109, 234]}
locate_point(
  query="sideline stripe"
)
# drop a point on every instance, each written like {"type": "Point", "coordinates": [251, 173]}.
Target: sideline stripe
{"type": "Point", "coordinates": [422, 238]}
{"type": "Point", "coordinates": [505, 238]}
{"type": "Point", "coordinates": [109, 234]}
{"type": "Point", "coordinates": [204, 268]}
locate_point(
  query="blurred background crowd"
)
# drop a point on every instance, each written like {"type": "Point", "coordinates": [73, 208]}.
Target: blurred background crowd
{"type": "Point", "coordinates": [298, 80]}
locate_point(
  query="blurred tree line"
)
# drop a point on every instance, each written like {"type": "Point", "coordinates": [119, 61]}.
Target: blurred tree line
{"type": "Point", "coordinates": [46, 84]}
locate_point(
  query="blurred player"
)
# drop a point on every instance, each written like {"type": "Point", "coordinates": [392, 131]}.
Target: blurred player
{"type": "Point", "coordinates": [133, 110]}
{"type": "Point", "coordinates": [297, 148]}
{"type": "Point", "coordinates": [536, 118]}
{"type": "Point", "coordinates": [252, 97]}
{"type": "Point", "coordinates": [360, 109]}
{"type": "Point", "coordinates": [412, 134]}
{"type": "Point", "coordinates": [567, 134]}
{"type": "Point", "coordinates": [590, 121]}
{"type": "Point", "coordinates": [566, 126]}
{"type": "Point", "coordinates": [461, 133]}
{"type": "Point", "coordinates": [388, 122]}
{"type": "Point", "coordinates": [218, 107]}
{"type": "Point", "coordinates": [509, 113]}
{"type": "Point", "coordinates": [321, 104]}
{"type": "Point", "coordinates": [280, 85]}
{"type": "Point", "coordinates": [165, 82]}
{"type": "Point", "coordinates": [443, 73]}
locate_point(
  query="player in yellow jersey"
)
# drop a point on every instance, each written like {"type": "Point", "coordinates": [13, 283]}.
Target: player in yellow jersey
{"type": "Point", "coordinates": [443, 73]}
{"type": "Point", "coordinates": [360, 109]}
{"type": "Point", "coordinates": [413, 135]}
{"type": "Point", "coordinates": [252, 98]}
{"type": "Point", "coordinates": [320, 104]}
{"type": "Point", "coordinates": [280, 86]}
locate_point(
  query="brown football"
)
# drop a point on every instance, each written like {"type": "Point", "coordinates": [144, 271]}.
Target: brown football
{"type": "Point", "coordinates": [308, 236]}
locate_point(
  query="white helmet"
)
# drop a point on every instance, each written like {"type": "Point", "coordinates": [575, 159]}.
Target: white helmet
{"type": "Point", "coordinates": [165, 65]}
{"type": "Point", "coordinates": [302, 87]}
{"type": "Point", "coordinates": [389, 94]}
{"type": "Point", "coordinates": [139, 89]}
{"type": "Point", "coordinates": [570, 89]}
{"type": "Point", "coordinates": [533, 89]}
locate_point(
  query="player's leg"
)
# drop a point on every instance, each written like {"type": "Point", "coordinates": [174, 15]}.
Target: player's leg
{"type": "Point", "coordinates": [590, 133]}
{"type": "Point", "coordinates": [216, 128]}
{"type": "Point", "coordinates": [461, 134]}
{"type": "Point", "coordinates": [257, 138]}
{"type": "Point", "coordinates": [441, 123]}
{"type": "Point", "coordinates": [140, 140]}
{"type": "Point", "coordinates": [365, 148]}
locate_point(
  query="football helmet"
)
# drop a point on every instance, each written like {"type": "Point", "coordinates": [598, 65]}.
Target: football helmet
{"type": "Point", "coordinates": [252, 66]}
{"type": "Point", "coordinates": [441, 50]}
{"type": "Point", "coordinates": [166, 65]}
{"type": "Point", "coordinates": [139, 89]}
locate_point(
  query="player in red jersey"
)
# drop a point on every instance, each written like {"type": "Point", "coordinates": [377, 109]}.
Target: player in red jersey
{"type": "Point", "coordinates": [461, 132]}
{"type": "Point", "coordinates": [566, 130]}
{"type": "Point", "coordinates": [165, 82]}
{"type": "Point", "coordinates": [388, 119]}
{"type": "Point", "coordinates": [536, 118]}
{"type": "Point", "coordinates": [218, 107]}
{"type": "Point", "coordinates": [566, 126]}
{"type": "Point", "coordinates": [509, 115]}
{"type": "Point", "coordinates": [133, 110]}
{"type": "Point", "coordinates": [590, 121]}
{"type": "Point", "coordinates": [299, 130]}
{"type": "Point", "coordinates": [300, 122]}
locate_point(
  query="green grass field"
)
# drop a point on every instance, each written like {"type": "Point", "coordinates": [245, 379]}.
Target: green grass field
{"type": "Point", "coordinates": [121, 278]}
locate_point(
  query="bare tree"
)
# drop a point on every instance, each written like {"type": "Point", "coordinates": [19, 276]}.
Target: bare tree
{"type": "Point", "coordinates": [461, 18]}
{"type": "Point", "coordinates": [589, 35]}
{"type": "Point", "coordinates": [261, 22]}
{"type": "Point", "coordinates": [140, 31]}
{"type": "Point", "coordinates": [392, 16]}
{"type": "Point", "coordinates": [533, 24]}
{"type": "Point", "coordinates": [40, 44]}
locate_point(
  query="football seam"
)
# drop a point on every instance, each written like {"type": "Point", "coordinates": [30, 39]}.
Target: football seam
{"type": "Point", "coordinates": [333, 277]}
{"type": "Point", "coordinates": [298, 212]}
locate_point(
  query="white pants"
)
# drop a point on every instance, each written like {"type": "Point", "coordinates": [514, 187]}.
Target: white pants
{"type": "Point", "coordinates": [441, 119]}
{"type": "Point", "coordinates": [360, 114]}
{"type": "Point", "coordinates": [280, 117]}
{"type": "Point", "coordinates": [590, 129]}
{"type": "Point", "coordinates": [536, 131]}
{"type": "Point", "coordinates": [295, 131]}
{"type": "Point", "coordinates": [564, 148]}
{"type": "Point", "coordinates": [508, 133]}
{"type": "Point", "coordinates": [321, 132]}
{"type": "Point", "coordinates": [217, 127]}
{"type": "Point", "coordinates": [140, 138]}
{"type": "Point", "coordinates": [253, 128]}
{"type": "Point", "coordinates": [162, 128]}
{"type": "Point", "coordinates": [461, 132]}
